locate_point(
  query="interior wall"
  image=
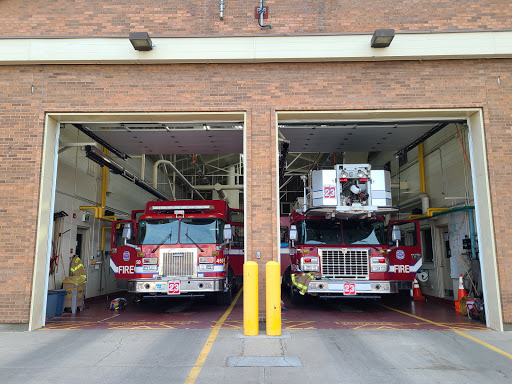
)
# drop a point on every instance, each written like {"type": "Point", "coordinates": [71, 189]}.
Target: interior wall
{"type": "Point", "coordinates": [447, 174]}
{"type": "Point", "coordinates": [448, 184]}
{"type": "Point", "coordinates": [79, 184]}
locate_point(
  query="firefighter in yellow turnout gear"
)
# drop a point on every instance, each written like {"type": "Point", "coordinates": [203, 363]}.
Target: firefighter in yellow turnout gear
{"type": "Point", "coordinates": [77, 268]}
{"type": "Point", "coordinates": [301, 281]}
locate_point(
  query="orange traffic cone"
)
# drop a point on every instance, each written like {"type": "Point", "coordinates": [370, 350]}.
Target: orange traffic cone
{"type": "Point", "coordinates": [462, 293]}
{"type": "Point", "coordinates": [416, 291]}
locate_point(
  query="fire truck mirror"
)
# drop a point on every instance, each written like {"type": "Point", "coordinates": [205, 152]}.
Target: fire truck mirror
{"type": "Point", "coordinates": [293, 232]}
{"type": "Point", "coordinates": [227, 232]}
{"type": "Point", "coordinates": [396, 235]}
{"type": "Point", "coordinates": [127, 231]}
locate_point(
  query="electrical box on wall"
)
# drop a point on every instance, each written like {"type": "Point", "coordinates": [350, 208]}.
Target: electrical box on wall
{"type": "Point", "coordinates": [86, 217]}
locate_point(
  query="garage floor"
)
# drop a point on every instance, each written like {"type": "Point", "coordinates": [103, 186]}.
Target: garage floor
{"type": "Point", "coordinates": [399, 313]}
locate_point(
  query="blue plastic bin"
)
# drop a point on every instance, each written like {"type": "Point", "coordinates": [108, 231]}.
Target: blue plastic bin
{"type": "Point", "coordinates": [51, 304]}
{"type": "Point", "coordinates": [60, 301]}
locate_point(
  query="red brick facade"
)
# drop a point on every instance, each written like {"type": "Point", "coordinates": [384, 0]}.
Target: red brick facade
{"type": "Point", "coordinates": [258, 89]}
{"type": "Point", "coordinates": [200, 17]}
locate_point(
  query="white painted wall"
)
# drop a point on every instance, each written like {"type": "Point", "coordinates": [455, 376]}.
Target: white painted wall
{"type": "Point", "coordinates": [448, 184]}
{"type": "Point", "coordinates": [79, 184]}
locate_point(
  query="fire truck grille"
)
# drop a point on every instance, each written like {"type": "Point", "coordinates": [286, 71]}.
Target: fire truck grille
{"type": "Point", "coordinates": [179, 263]}
{"type": "Point", "coordinates": [352, 264]}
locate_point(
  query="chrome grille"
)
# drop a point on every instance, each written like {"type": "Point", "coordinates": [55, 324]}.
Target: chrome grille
{"type": "Point", "coordinates": [345, 263]}
{"type": "Point", "coordinates": [179, 263]}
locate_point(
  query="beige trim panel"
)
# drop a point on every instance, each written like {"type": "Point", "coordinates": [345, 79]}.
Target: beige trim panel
{"type": "Point", "coordinates": [169, 50]}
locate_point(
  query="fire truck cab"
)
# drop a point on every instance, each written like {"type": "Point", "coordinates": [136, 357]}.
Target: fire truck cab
{"type": "Point", "coordinates": [176, 248]}
{"type": "Point", "coordinates": [340, 244]}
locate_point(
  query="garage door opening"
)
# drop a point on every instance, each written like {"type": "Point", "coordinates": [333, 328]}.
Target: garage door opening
{"type": "Point", "coordinates": [437, 175]}
{"type": "Point", "coordinates": [102, 169]}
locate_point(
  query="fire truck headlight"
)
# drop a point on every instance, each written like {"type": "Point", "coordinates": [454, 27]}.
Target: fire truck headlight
{"type": "Point", "coordinates": [379, 264]}
{"type": "Point", "coordinates": [140, 286]}
{"type": "Point", "coordinates": [205, 260]}
{"type": "Point", "coordinates": [310, 264]}
{"type": "Point", "coordinates": [206, 267]}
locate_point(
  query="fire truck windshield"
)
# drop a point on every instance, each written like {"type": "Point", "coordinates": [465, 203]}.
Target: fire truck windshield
{"type": "Point", "coordinates": [319, 232]}
{"type": "Point", "coordinates": [201, 231]}
{"type": "Point", "coordinates": [364, 232]}
{"type": "Point", "coordinates": [158, 231]}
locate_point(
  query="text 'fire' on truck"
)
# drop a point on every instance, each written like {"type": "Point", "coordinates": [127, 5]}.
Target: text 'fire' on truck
{"type": "Point", "coordinates": [178, 248]}
{"type": "Point", "coordinates": [339, 243]}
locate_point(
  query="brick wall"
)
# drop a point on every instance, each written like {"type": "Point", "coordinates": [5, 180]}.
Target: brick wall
{"type": "Point", "coordinates": [201, 17]}
{"type": "Point", "coordinates": [259, 89]}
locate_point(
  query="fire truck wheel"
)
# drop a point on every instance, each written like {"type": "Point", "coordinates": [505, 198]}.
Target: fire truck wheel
{"type": "Point", "coordinates": [226, 297]}
{"type": "Point", "coordinates": [137, 298]}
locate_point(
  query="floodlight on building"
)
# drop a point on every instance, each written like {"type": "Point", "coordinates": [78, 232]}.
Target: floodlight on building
{"type": "Point", "coordinates": [382, 38]}
{"type": "Point", "coordinates": [141, 41]}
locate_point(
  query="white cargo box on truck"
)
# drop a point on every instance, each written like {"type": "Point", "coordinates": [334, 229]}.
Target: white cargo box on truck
{"type": "Point", "coordinates": [348, 190]}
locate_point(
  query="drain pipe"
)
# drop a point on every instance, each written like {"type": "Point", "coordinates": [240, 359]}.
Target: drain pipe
{"type": "Point", "coordinates": [222, 6]}
{"type": "Point", "coordinates": [170, 164]}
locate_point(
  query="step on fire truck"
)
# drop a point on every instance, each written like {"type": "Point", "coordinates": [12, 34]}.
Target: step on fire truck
{"type": "Point", "coordinates": [339, 244]}
{"type": "Point", "coordinates": [177, 248]}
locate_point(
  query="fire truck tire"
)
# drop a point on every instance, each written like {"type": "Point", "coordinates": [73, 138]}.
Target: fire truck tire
{"type": "Point", "coordinates": [287, 282]}
{"type": "Point", "coordinates": [225, 298]}
{"type": "Point", "coordinates": [137, 298]}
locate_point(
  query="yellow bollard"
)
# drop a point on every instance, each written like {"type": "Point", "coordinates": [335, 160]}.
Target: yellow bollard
{"type": "Point", "coordinates": [273, 298]}
{"type": "Point", "coordinates": [251, 322]}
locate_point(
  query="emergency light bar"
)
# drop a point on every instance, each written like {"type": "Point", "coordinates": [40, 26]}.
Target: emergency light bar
{"type": "Point", "coordinates": [180, 207]}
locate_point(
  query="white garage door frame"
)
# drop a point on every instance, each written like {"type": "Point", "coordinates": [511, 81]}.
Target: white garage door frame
{"type": "Point", "coordinates": [479, 173]}
{"type": "Point", "coordinates": [53, 121]}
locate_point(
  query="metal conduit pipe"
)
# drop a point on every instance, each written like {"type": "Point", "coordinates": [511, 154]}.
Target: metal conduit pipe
{"type": "Point", "coordinates": [170, 164]}
{"type": "Point", "coordinates": [423, 198]}
{"type": "Point", "coordinates": [218, 187]}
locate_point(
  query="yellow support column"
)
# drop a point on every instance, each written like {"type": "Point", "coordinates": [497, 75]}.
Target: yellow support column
{"type": "Point", "coordinates": [251, 323]}
{"type": "Point", "coordinates": [421, 165]}
{"type": "Point", "coordinates": [273, 298]}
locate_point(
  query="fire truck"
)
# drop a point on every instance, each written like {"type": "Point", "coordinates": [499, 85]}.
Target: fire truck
{"type": "Point", "coordinates": [177, 248]}
{"type": "Point", "coordinates": [340, 243]}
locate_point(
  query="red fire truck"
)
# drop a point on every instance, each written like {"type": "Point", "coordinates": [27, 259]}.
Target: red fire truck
{"type": "Point", "coordinates": [340, 245]}
{"type": "Point", "coordinates": [177, 248]}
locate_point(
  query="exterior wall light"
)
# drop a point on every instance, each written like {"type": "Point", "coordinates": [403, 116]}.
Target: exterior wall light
{"type": "Point", "coordinates": [141, 41]}
{"type": "Point", "coordinates": [382, 38]}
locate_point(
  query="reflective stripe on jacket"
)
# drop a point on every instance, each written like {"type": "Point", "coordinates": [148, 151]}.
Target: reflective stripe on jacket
{"type": "Point", "coordinates": [302, 281]}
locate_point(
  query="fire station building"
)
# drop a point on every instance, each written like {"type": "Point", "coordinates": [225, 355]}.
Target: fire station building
{"type": "Point", "coordinates": [243, 98]}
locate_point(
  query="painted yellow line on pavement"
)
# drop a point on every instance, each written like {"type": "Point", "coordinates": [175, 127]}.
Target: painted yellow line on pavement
{"type": "Point", "coordinates": [196, 369]}
{"type": "Point", "coordinates": [416, 317]}
{"type": "Point", "coordinates": [483, 343]}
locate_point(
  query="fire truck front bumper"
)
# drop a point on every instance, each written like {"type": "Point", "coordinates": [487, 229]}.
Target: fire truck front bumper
{"type": "Point", "coordinates": [342, 287]}
{"type": "Point", "coordinates": [174, 286]}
